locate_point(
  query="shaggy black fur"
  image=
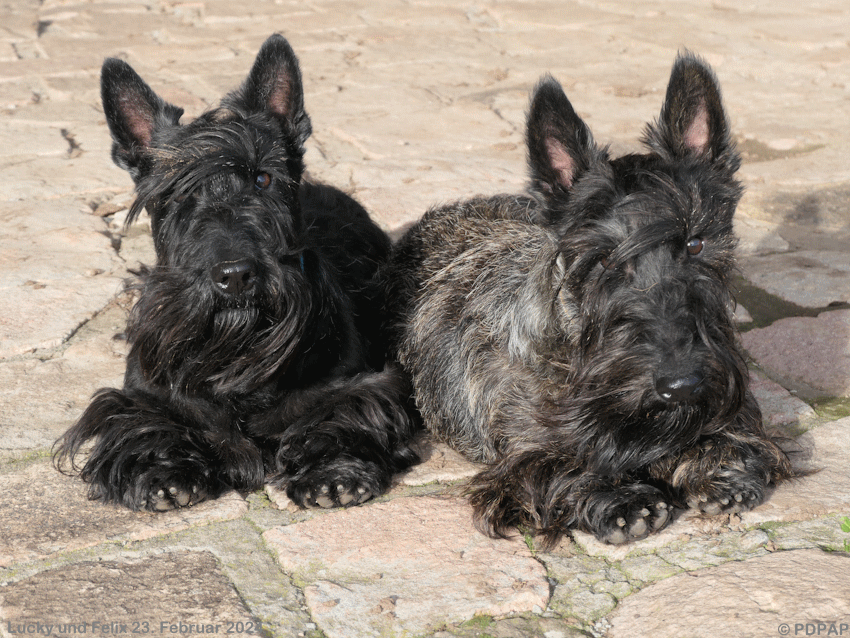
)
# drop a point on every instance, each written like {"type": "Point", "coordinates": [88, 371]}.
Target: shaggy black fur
{"type": "Point", "coordinates": [580, 341]}
{"type": "Point", "coordinates": [254, 343]}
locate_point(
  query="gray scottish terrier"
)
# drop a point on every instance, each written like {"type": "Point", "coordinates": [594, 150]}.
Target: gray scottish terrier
{"type": "Point", "coordinates": [580, 341]}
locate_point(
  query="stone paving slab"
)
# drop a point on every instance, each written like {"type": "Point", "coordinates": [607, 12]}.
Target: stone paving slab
{"type": "Point", "coordinates": [441, 464]}
{"type": "Point", "coordinates": [398, 567]}
{"type": "Point", "coordinates": [780, 408]}
{"type": "Point", "coordinates": [52, 515]}
{"type": "Point", "coordinates": [796, 276]}
{"type": "Point", "coordinates": [56, 257]}
{"type": "Point", "coordinates": [246, 562]}
{"type": "Point", "coordinates": [190, 597]}
{"type": "Point", "coordinates": [416, 103]}
{"type": "Point", "coordinates": [41, 398]}
{"type": "Point", "coordinates": [812, 353]}
{"type": "Point", "coordinates": [821, 451]}
{"type": "Point", "coordinates": [740, 601]}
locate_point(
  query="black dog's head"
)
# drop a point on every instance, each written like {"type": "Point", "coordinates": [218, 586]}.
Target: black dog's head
{"type": "Point", "coordinates": [225, 302]}
{"type": "Point", "coordinates": [647, 252]}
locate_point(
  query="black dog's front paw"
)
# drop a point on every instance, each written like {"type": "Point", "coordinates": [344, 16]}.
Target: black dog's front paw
{"type": "Point", "coordinates": [154, 494]}
{"type": "Point", "coordinates": [160, 488]}
{"type": "Point", "coordinates": [342, 482]}
{"type": "Point", "coordinates": [173, 496]}
{"type": "Point", "coordinates": [316, 493]}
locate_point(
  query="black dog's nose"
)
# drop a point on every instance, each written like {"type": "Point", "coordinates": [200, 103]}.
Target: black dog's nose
{"type": "Point", "coordinates": [680, 389]}
{"type": "Point", "coordinates": [233, 277]}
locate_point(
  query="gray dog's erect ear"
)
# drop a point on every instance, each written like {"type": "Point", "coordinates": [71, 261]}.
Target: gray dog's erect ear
{"type": "Point", "coordinates": [274, 86]}
{"type": "Point", "coordinates": [134, 114]}
{"type": "Point", "coordinates": [693, 123]}
{"type": "Point", "coordinates": [560, 145]}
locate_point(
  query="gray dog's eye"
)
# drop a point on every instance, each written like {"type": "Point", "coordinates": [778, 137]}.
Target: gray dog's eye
{"type": "Point", "coordinates": [695, 246]}
{"type": "Point", "coordinates": [262, 181]}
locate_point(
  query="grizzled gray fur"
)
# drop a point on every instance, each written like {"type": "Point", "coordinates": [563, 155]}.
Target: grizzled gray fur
{"type": "Point", "coordinates": [579, 340]}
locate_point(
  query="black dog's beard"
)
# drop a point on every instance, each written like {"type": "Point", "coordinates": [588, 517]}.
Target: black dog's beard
{"type": "Point", "coordinates": [188, 338]}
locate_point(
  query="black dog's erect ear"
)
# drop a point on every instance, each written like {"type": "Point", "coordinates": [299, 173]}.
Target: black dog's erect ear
{"type": "Point", "coordinates": [134, 113]}
{"type": "Point", "coordinates": [560, 146]}
{"type": "Point", "coordinates": [274, 86]}
{"type": "Point", "coordinates": [693, 123]}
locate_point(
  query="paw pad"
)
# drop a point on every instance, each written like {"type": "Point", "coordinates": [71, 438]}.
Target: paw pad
{"type": "Point", "coordinates": [724, 503]}
{"type": "Point", "coordinates": [171, 498]}
{"type": "Point", "coordinates": [339, 495]}
{"type": "Point", "coordinates": [639, 525]}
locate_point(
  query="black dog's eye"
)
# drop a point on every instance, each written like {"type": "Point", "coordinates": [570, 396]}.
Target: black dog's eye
{"type": "Point", "coordinates": [262, 181]}
{"type": "Point", "coordinates": [695, 246]}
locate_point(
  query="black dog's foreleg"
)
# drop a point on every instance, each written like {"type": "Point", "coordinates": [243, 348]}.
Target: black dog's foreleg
{"type": "Point", "coordinates": [345, 448]}
{"type": "Point", "coordinates": [141, 458]}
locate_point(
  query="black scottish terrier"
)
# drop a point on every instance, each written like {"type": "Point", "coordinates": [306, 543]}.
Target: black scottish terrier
{"type": "Point", "coordinates": [580, 341]}
{"type": "Point", "coordinates": [254, 342]}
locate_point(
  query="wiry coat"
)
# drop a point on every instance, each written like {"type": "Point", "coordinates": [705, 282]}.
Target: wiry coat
{"type": "Point", "coordinates": [581, 342]}
{"type": "Point", "coordinates": [254, 349]}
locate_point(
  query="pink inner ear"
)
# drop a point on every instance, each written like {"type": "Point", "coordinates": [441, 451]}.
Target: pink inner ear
{"type": "Point", "coordinates": [696, 135]}
{"type": "Point", "coordinates": [278, 101]}
{"type": "Point", "coordinates": [561, 162]}
{"type": "Point", "coordinates": [138, 118]}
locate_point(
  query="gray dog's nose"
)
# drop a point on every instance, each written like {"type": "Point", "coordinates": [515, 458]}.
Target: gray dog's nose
{"type": "Point", "coordinates": [680, 389]}
{"type": "Point", "coordinates": [233, 277]}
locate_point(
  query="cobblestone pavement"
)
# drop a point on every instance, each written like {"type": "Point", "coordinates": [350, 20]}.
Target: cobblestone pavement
{"type": "Point", "coordinates": [413, 103]}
